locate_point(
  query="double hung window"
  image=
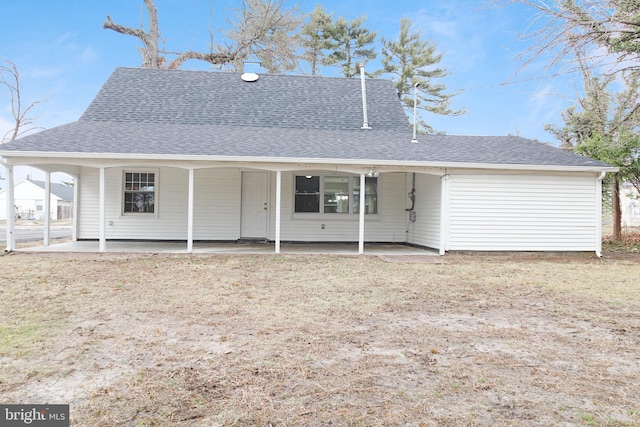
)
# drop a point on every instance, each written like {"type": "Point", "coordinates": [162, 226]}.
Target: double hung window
{"type": "Point", "coordinates": [334, 194]}
{"type": "Point", "coordinates": [139, 192]}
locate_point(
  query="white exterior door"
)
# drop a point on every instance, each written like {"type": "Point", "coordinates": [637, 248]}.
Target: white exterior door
{"type": "Point", "coordinates": [254, 205]}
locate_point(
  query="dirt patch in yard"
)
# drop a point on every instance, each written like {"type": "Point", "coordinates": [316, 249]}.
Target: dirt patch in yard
{"type": "Point", "coordinates": [150, 340]}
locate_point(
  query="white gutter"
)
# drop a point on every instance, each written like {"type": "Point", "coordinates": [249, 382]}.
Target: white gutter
{"type": "Point", "coordinates": [599, 214]}
{"type": "Point", "coordinates": [129, 157]}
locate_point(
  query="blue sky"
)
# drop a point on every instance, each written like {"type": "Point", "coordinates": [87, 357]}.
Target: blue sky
{"type": "Point", "coordinates": [64, 55]}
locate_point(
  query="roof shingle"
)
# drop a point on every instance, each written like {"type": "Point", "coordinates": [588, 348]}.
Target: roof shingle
{"type": "Point", "coordinates": [198, 113]}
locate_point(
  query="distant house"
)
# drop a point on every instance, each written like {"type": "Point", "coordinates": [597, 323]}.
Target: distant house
{"type": "Point", "coordinates": [29, 198]}
{"type": "Point", "coordinates": [630, 201]}
{"type": "Point", "coordinates": [216, 156]}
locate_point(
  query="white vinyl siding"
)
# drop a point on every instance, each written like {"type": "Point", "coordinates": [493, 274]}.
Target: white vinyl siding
{"type": "Point", "coordinates": [217, 195]}
{"type": "Point", "coordinates": [522, 212]}
{"type": "Point", "coordinates": [217, 206]}
{"type": "Point", "coordinates": [500, 211]}
{"type": "Point", "coordinates": [217, 209]}
{"type": "Point", "coordinates": [386, 226]}
{"type": "Point", "coordinates": [169, 220]}
{"type": "Point", "coordinates": [425, 231]}
{"type": "Point", "coordinates": [88, 203]}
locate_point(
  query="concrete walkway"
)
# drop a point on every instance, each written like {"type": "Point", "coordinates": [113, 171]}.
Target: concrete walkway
{"type": "Point", "coordinates": [233, 248]}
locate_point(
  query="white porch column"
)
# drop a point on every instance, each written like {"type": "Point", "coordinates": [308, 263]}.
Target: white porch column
{"type": "Point", "coordinates": [598, 236]}
{"type": "Point", "coordinates": [47, 208]}
{"type": "Point", "coordinates": [278, 208]}
{"type": "Point", "coordinates": [11, 211]}
{"type": "Point", "coordinates": [76, 191]}
{"type": "Point", "coordinates": [102, 246]}
{"type": "Point", "coordinates": [361, 231]}
{"type": "Point", "coordinates": [444, 213]}
{"type": "Point", "coordinates": [190, 212]}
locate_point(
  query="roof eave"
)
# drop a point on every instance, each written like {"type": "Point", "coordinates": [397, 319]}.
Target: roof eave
{"type": "Point", "coordinates": [7, 155]}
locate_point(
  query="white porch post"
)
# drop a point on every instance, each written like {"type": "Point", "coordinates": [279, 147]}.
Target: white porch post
{"type": "Point", "coordinates": [11, 211]}
{"type": "Point", "coordinates": [76, 191]}
{"type": "Point", "coordinates": [47, 208]}
{"type": "Point", "coordinates": [598, 236]}
{"type": "Point", "coordinates": [444, 213]}
{"type": "Point", "coordinates": [102, 246]}
{"type": "Point", "coordinates": [278, 208]}
{"type": "Point", "coordinates": [190, 212]}
{"type": "Point", "coordinates": [361, 231]}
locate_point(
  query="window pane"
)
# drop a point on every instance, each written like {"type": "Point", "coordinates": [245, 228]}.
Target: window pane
{"type": "Point", "coordinates": [336, 194]}
{"type": "Point", "coordinates": [370, 195]}
{"type": "Point", "coordinates": [307, 203]}
{"type": "Point", "coordinates": [307, 197]}
{"type": "Point", "coordinates": [139, 192]}
{"type": "Point", "coordinates": [307, 185]}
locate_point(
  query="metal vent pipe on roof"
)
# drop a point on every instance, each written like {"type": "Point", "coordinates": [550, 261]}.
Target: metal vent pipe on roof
{"type": "Point", "coordinates": [415, 112]}
{"type": "Point", "coordinates": [365, 124]}
{"type": "Point", "coordinates": [247, 74]}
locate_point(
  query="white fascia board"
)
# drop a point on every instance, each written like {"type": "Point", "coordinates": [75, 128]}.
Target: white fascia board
{"type": "Point", "coordinates": [25, 157]}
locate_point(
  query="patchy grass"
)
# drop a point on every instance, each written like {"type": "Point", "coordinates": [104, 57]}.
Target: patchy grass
{"type": "Point", "coordinates": [146, 340]}
{"type": "Point", "coordinates": [630, 242]}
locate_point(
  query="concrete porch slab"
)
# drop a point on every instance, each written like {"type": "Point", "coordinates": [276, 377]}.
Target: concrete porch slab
{"type": "Point", "coordinates": [233, 248]}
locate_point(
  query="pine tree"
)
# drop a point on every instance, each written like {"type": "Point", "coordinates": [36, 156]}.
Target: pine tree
{"type": "Point", "coordinates": [315, 39]}
{"type": "Point", "coordinates": [349, 42]}
{"type": "Point", "coordinates": [412, 61]}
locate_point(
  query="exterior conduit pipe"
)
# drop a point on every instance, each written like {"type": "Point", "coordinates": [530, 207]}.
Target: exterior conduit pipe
{"type": "Point", "coordinates": [598, 196]}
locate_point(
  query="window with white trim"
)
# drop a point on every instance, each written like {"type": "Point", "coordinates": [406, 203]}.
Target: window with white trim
{"type": "Point", "coordinates": [334, 194]}
{"type": "Point", "coordinates": [139, 192]}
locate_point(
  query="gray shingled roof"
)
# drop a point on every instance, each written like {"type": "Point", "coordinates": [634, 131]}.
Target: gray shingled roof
{"type": "Point", "coordinates": [186, 113]}
{"type": "Point", "coordinates": [65, 192]}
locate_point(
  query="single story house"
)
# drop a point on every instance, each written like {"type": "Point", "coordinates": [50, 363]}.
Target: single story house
{"type": "Point", "coordinates": [29, 200]}
{"type": "Point", "coordinates": [219, 156]}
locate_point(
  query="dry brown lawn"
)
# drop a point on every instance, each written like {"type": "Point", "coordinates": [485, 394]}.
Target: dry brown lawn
{"type": "Point", "coordinates": [162, 340]}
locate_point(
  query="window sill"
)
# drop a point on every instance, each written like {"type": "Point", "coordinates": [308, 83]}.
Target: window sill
{"type": "Point", "coordinates": [333, 217]}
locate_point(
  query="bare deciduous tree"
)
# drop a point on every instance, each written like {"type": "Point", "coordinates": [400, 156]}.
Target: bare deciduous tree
{"type": "Point", "coordinates": [609, 30]}
{"type": "Point", "coordinates": [263, 28]}
{"type": "Point", "coordinates": [22, 121]}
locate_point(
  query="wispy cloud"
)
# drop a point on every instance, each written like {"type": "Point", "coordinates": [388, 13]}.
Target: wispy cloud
{"type": "Point", "coordinates": [456, 34]}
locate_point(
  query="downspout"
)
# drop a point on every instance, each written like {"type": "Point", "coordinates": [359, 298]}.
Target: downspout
{"type": "Point", "coordinates": [365, 124]}
{"type": "Point", "coordinates": [599, 214]}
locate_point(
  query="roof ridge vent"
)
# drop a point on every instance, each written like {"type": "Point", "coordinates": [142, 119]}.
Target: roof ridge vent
{"type": "Point", "coordinates": [249, 71]}
{"type": "Point", "coordinates": [249, 77]}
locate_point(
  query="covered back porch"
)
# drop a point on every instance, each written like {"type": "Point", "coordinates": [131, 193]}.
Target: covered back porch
{"type": "Point", "coordinates": [195, 196]}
